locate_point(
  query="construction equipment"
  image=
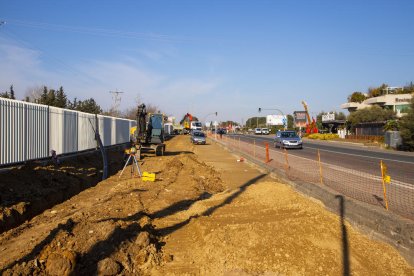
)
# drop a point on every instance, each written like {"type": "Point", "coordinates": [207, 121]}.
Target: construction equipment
{"type": "Point", "coordinates": [189, 123]}
{"type": "Point", "coordinates": [186, 123]}
{"type": "Point", "coordinates": [310, 125]}
{"type": "Point", "coordinates": [148, 135]}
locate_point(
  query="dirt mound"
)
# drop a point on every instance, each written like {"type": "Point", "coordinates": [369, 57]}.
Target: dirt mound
{"type": "Point", "coordinates": [108, 229]}
{"type": "Point", "coordinates": [188, 222]}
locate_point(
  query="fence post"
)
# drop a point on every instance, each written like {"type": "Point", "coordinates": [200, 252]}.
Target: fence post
{"type": "Point", "coordinates": [287, 161]}
{"type": "Point", "coordinates": [320, 167]}
{"type": "Point", "coordinates": [384, 175]}
{"type": "Point", "coordinates": [254, 148]}
{"type": "Point", "coordinates": [267, 152]}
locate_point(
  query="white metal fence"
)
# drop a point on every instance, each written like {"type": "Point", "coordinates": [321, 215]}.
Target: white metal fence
{"type": "Point", "coordinates": [30, 131]}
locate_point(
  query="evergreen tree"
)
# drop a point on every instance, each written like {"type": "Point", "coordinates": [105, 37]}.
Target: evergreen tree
{"type": "Point", "coordinates": [89, 106]}
{"type": "Point", "coordinates": [12, 93]}
{"type": "Point", "coordinates": [43, 98]}
{"type": "Point", "coordinates": [61, 99]}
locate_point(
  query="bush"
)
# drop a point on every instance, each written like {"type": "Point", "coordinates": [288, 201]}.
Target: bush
{"type": "Point", "coordinates": [319, 136]}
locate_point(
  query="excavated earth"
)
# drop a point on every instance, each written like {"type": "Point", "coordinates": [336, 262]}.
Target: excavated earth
{"type": "Point", "coordinates": [206, 214]}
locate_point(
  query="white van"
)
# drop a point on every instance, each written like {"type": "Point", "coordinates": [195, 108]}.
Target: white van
{"type": "Point", "coordinates": [265, 131]}
{"type": "Point", "coordinates": [257, 131]}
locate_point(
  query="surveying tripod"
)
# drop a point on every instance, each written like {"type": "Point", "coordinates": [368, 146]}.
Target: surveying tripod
{"type": "Point", "coordinates": [131, 152]}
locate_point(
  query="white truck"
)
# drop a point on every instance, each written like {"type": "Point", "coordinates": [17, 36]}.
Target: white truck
{"type": "Point", "coordinates": [195, 125]}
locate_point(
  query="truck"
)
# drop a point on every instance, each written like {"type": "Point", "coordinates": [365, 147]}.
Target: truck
{"type": "Point", "coordinates": [196, 125]}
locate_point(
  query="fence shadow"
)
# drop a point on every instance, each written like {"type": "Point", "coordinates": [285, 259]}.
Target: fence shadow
{"type": "Point", "coordinates": [170, 229]}
{"type": "Point", "coordinates": [345, 243]}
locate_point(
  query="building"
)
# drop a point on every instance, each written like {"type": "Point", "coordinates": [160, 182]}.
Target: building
{"type": "Point", "coordinates": [400, 103]}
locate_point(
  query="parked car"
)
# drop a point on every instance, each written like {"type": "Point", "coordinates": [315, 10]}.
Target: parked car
{"type": "Point", "coordinates": [198, 137]}
{"type": "Point", "coordinates": [257, 131]}
{"type": "Point", "coordinates": [265, 131]}
{"type": "Point", "coordinates": [288, 139]}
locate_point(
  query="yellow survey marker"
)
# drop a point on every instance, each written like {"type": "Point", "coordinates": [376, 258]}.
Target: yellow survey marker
{"type": "Point", "coordinates": [146, 176]}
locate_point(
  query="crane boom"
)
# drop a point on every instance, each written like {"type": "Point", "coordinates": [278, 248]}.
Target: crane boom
{"type": "Point", "coordinates": [307, 112]}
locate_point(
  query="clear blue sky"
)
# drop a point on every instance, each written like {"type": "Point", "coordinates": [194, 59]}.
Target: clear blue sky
{"type": "Point", "coordinates": [205, 56]}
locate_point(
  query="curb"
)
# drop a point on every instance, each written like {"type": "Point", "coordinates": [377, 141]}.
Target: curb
{"type": "Point", "coordinates": [371, 220]}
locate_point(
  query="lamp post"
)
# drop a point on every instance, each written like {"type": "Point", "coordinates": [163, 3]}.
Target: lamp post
{"type": "Point", "coordinates": [214, 113]}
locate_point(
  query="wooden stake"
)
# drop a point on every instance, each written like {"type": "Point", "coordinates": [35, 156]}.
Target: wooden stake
{"type": "Point", "coordinates": [287, 161]}
{"type": "Point", "coordinates": [320, 167]}
{"type": "Point", "coordinates": [383, 183]}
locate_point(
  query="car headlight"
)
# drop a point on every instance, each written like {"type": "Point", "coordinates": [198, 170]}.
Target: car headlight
{"type": "Point", "coordinates": [300, 141]}
{"type": "Point", "coordinates": [285, 141]}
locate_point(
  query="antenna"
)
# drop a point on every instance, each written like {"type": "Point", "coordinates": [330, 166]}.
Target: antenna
{"type": "Point", "coordinates": [116, 97]}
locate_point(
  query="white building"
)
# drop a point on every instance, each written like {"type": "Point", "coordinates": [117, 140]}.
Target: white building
{"type": "Point", "coordinates": [400, 103]}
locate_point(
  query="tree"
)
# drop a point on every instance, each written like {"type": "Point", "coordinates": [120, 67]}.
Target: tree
{"type": "Point", "coordinates": [252, 122]}
{"type": "Point", "coordinates": [12, 93]}
{"type": "Point", "coordinates": [377, 91]}
{"type": "Point", "coordinates": [290, 121]}
{"type": "Point", "coordinates": [407, 128]}
{"type": "Point", "coordinates": [408, 89]}
{"type": "Point", "coordinates": [8, 94]}
{"type": "Point", "coordinates": [356, 97]}
{"type": "Point", "coordinates": [371, 114]}
{"type": "Point", "coordinates": [61, 99]}
{"type": "Point", "coordinates": [88, 106]}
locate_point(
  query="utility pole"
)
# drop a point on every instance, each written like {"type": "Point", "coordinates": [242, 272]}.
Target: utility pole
{"type": "Point", "coordinates": [116, 97]}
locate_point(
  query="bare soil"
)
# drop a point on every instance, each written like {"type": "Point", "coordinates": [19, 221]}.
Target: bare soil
{"type": "Point", "coordinates": [206, 214]}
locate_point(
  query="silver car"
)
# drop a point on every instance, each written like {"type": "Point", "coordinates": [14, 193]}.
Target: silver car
{"type": "Point", "coordinates": [198, 137]}
{"type": "Point", "coordinates": [288, 139]}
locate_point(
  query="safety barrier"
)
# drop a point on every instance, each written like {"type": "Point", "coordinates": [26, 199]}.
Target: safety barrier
{"type": "Point", "coordinates": [374, 183]}
{"type": "Point", "coordinates": [31, 131]}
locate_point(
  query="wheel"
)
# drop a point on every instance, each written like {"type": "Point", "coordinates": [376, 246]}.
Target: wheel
{"type": "Point", "coordinates": [159, 151]}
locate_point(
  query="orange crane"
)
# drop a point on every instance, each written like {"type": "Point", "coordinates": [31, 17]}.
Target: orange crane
{"type": "Point", "coordinates": [311, 125]}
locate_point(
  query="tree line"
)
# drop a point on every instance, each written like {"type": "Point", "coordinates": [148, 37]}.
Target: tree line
{"type": "Point", "coordinates": [359, 97]}
{"type": "Point", "coordinates": [57, 98]}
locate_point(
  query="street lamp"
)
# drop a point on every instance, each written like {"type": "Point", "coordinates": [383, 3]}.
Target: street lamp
{"type": "Point", "coordinates": [214, 113]}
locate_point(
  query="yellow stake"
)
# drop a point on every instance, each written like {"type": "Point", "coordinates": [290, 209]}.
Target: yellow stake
{"type": "Point", "coordinates": [384, 176]}
{"type": "Point", "coordinates": [320, 167]}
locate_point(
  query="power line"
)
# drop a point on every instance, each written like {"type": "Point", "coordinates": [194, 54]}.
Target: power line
{"type": "Point", "coordinates": [100, 31]}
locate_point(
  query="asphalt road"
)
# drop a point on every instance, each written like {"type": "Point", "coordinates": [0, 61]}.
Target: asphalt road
{"type": "Point", "coordinates": [355, 157]}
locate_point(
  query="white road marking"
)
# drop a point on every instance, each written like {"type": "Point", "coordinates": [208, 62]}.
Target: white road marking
{"type": "Point", "coordinates": [358, 155]}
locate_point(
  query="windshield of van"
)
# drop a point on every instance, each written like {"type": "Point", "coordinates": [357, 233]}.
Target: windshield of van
{"type": "Point", "coordinates": [290, 134]}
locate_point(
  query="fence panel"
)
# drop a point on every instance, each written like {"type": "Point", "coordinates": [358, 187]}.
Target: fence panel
{"type": "Point", "coordinates": [30, 131]}
{"type": "Point", "coordinates": [63, 130]}
{"type": "Point", "coordinates": [23, 131]}
{"type": "Point", "coordinates": [86, 134]}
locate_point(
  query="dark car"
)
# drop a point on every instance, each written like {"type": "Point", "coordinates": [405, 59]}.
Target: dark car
{"type": "Point", "coordinates": [288, 139]}
{"type": "Point", "coordinates": [198, 137]}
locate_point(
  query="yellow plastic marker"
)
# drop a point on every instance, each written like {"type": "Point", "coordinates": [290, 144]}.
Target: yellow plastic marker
{"type": "Point", "coordinates": [146, 176]}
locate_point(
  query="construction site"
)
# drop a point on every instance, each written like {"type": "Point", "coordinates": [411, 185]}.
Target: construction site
{"type": "Point", "coordinates": [147, 203]}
